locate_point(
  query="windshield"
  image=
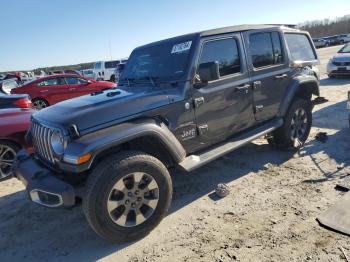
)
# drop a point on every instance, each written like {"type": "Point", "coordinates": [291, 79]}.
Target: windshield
{"type": "Point", "coordinates": [345, 49]}
{"type": "Point", "coordinates": [163, 61]}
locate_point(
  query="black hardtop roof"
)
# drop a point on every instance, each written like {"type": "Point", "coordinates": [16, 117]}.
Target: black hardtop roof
{"type": "Point", "coordinates": [222, 30]}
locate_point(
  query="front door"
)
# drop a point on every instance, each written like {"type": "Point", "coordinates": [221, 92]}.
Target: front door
{"type": "Point", "coordinates": [269, 71]}
{"type": "Point", "coordinates": [224, 106]}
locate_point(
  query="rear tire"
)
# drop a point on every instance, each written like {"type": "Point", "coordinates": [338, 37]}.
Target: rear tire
{"type": "Point", "coordinates": [39, 103]}
{"type": "Point", "coordinates": [127, 195]}
{"type": "Point", "coordinates": [296, 127]}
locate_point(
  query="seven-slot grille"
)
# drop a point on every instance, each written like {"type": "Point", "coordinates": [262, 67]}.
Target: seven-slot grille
{"type": "Point", "coordinates": [41, 137]}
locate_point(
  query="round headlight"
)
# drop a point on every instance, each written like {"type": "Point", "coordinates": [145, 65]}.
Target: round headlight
{"type": "Point", "coordinates": [57, 143]}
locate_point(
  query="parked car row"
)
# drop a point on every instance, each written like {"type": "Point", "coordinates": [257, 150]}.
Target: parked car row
{"type": "Point", "coordinates": [331, 40]}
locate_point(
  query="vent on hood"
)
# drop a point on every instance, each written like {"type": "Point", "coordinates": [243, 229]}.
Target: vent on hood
{"type": "Point", "coordinates": [115, 93]}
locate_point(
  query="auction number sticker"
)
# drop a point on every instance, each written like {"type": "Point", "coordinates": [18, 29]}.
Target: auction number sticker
{"type": "Point", "coordinates": [181, 47]}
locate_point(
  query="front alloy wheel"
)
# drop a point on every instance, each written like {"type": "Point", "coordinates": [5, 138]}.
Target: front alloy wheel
{"type": "Point", "coordinates": [133, 199]}
{"type": "Point", "coordinates": [127, 195]}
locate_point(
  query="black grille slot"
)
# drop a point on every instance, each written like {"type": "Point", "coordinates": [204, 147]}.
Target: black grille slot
{"type": "Point", "coordinates": [41, 141]}
{"type": "Point", "coordinates": [341, 63]}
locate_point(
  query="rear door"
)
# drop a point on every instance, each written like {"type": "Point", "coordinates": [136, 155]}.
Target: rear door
{"type": "Point", "coordinates": [269, 71]}
{"type": "Point", "coordinates": [224, 106]}
{"type": "Point", "coordinates": [98, 70]}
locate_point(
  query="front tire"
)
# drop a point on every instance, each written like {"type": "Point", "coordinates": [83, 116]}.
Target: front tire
{"type": "Point", "coordinates": [296, 127]}
{"type": "Point", "coordinates": [8, 151]}
{"type": "Point", "coordinates": [127, 195]}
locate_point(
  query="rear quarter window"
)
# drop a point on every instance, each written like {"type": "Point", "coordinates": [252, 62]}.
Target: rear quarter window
{"type": "Point", "coordinates": [300, 47]}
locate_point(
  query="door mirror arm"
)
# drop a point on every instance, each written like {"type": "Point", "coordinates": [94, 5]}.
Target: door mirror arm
{"type": "Point", "coordinates": [198, 83]}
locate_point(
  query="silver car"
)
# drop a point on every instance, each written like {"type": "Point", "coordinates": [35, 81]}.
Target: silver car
{"type": "Point", "coordinates": [339, 64]}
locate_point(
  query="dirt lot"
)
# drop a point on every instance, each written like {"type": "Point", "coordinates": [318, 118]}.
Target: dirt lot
{"type": "Point", "coordinates": [269, 215]}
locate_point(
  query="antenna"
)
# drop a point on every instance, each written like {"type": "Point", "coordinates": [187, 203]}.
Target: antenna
{"type": "Point", "coordinates": [110, 49]}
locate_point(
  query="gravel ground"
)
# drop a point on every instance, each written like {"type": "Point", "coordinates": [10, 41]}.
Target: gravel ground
{"type": "Point", "coordinates": [268, 216]}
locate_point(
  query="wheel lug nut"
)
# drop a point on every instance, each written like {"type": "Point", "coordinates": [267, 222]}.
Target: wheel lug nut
{"type": "Point", "coordinates": [133, 205]}
{"type": "Point", "coordinates": [137, 192]}
{"type": "Point", "coordinates": [129, 194]}
{"type": "Point", "coordinates": [127, 202]}
{"type": "Point", "coordinates": [139, 199]}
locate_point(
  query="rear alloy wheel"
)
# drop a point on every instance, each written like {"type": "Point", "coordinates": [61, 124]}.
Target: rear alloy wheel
{"type": "Point", "coordinates": [127, 195]}
{"type": "Point", "coordinates": [39, 103]}
{"type": "Point", "coordinates": [8, 152]}
{"type": "Point", "coordinates": [296, 127]}
{"type": "Point", "coordinates": [298, 124]}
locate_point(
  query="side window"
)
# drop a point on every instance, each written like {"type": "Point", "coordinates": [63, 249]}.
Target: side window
{"type": "Point", "coordinates": [111, 64]}
{"type": "Point", "coordinates": [72, 80]}
{"type": "Point", "coordinates": [265, 49]}
{"type": "Point", "coordinates": [52, 82]}
{"type": "Point", "coordinates": [98, 65]}
{"type": "Point", "coordinates": [82, 81]}
{"type": "Point", "coordinates": [300, 47]}
{"type": "Point", "coordinates": [225, 52]}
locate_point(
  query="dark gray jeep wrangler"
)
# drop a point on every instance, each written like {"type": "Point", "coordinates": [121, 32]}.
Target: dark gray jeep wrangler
{"type": "Point", "coordinates": [180, 103]}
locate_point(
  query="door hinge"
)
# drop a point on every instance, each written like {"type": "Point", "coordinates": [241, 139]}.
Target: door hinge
{"type": "Point", "coordinates": [256, 84]}
{"type": "Point", "coordinates": [259, 108]}
{"type": "Point", "coordinates": [202, 129]}
{"type": "Point", "coordinates": [198, 101]}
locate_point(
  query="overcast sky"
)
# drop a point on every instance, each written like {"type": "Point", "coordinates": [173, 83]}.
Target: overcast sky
{"type": "Point", "coordinates": [37, 33]}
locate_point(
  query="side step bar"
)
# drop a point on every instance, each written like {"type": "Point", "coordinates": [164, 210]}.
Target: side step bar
{"type": "Point", "coordinates": [192, 162]}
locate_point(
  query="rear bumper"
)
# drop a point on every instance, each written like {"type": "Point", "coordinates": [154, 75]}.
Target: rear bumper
{"type": "Point", "coordinates": [43, 187]}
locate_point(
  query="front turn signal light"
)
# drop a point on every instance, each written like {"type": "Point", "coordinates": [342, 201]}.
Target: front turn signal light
{"type": "Point", "coordinates": [83, 159]}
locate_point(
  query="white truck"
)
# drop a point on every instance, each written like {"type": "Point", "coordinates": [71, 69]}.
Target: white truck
{"type": "Point", "coordinates": [105, 70]}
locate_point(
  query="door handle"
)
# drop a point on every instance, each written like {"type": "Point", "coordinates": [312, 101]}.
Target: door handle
{"type": "Point", "coordinates": [72, 88]}
{"type": "Point", "coordinates": [44, 91]}
{"type": "Point", "coordinates": [256, 84]}
{"type": "Point", "coordinates": [244, 87]}
{"type": "Point", "coordinates": [281, 76]}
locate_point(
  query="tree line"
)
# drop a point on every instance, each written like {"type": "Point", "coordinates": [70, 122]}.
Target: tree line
{"type": "Point", "coordinates": [327, 27]}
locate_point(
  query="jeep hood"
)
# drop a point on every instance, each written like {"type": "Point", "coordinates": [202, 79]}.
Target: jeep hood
{"type": "Point", "coordinates": [104, 108]}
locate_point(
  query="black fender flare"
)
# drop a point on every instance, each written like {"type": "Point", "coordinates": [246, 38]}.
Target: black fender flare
{"type": "Point", "coordinates": [99, 141]}
{"type": "Point", "coordinates": [300, 84]}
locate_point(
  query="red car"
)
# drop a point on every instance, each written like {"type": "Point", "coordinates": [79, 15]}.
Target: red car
{"type": "Point", "coordinates": [14, 123]}
{"type": "Point", "coordinates": [52, 89]}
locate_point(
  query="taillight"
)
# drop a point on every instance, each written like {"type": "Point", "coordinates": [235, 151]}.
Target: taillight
{"type": "Point", "coordinates": [23, 103]}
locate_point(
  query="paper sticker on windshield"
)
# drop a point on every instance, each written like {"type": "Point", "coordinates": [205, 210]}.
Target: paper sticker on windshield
{"type": "Point", "coordinates": [181, 47]}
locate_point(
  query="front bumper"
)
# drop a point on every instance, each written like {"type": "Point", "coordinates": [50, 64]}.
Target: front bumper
{"type": "Point", "coordinates": [43, 187]}
{"type": "Point", "coordinates": [338, 70]}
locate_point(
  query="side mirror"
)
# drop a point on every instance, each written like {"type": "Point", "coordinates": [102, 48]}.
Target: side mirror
{"type": "Point", "coordinates": [207, 72]}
